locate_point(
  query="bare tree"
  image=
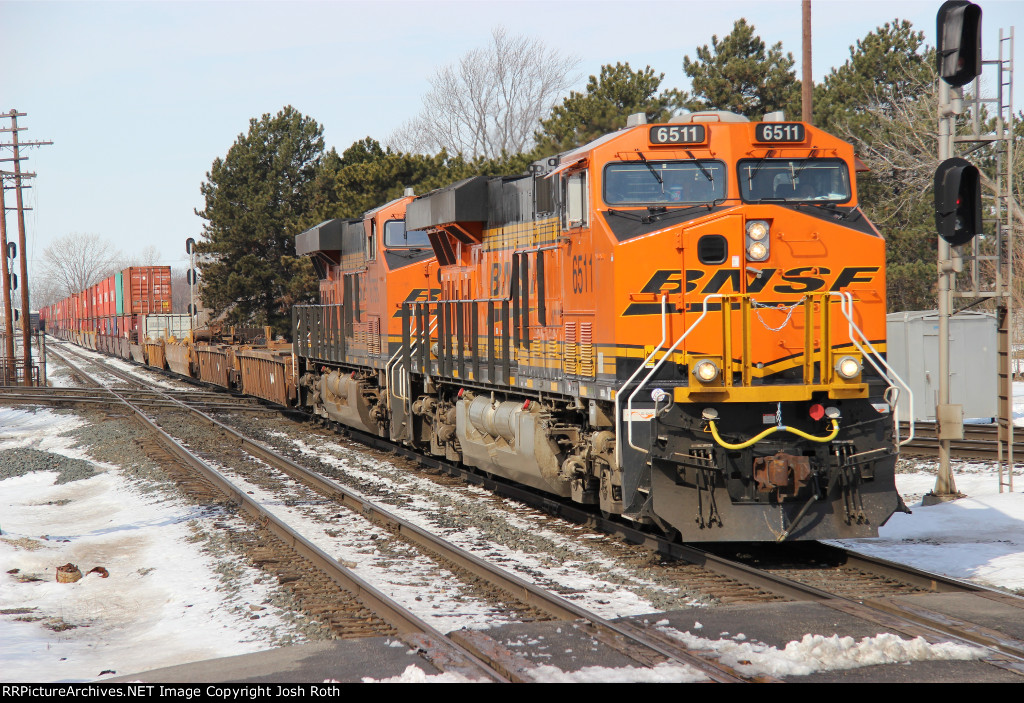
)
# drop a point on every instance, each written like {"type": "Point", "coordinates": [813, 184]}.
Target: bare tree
{"type": "Point", "coordinates": [44, 291]}
{"type": "Point", "coordinates": [149, 256]}
{"type": "Point", "coordinates": [901, 141]}
{"type": "Point", "coordinates": [490, 101]}
{"type": "Point", "coordinates": [74, 262]}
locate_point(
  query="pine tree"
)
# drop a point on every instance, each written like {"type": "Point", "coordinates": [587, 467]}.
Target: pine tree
{"type": "Point", "coordinates": [890, 64]}
{"type": "Point", "coordinates": [737, 75]}
{"type": "Point", "coordinates": [367, 175]}
{"type": "Point", "coordinates": [608, 100]}
{"type": "Point", "coordinates": [882, 100]}
{"type": "Point", "coordinates": [257, 199]}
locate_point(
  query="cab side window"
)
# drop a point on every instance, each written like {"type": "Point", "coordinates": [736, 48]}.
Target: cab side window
{"type": "Point", "coordinates": [576, 205]}
{"type": "Point", "coordinates": [371, 242]}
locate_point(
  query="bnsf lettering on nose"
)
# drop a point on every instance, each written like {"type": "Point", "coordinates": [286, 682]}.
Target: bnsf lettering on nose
{"type": "Point", "coordinates": [803, 279]}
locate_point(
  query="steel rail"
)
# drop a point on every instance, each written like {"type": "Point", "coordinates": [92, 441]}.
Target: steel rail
{"type": "Point", "coordinates": [979, 442]}
{"type": "Point", "coordinates": [521, 590]}
{"type": "Point", "coordinates": [872, 609]}
{"type": "Point", "coordinates": [890, 614]}
{"type": "Point", "coordinates": [414, 630]}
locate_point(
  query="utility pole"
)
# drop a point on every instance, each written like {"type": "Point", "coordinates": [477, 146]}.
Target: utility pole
{"type": "Point", "coordinates": [26, 317]}
{"type": "Point", "coordinates": [5, 281]}
{"type": "Point", "coordinates": [807, 85]}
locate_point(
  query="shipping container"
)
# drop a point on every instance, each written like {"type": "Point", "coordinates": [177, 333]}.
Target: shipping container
{"type": "Point", "coordinates": [125, 326]}
{"type": "Point", "coordinates": [163, 326]}
{"type": "Point", "coordinates": [119, 293]}
{"type": "Point", "coordinates": [147, 289]}
{"type": "Point", "coordinates": [105, 298]}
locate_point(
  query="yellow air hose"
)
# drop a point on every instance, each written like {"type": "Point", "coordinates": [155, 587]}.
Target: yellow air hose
{"type": "Point", "coordinates": [770, 430]}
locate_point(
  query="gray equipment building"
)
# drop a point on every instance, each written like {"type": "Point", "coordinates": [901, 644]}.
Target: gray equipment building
{"type": "Point", "coordinates": [913, 351]}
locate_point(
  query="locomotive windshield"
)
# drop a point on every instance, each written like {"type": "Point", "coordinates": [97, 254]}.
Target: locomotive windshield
{"type": "Point", "coordinates": [395, 236]}
{"type": "Point", "coordinates": [799, 180]}
{"type": "Point", "coordinates": [664, 182]}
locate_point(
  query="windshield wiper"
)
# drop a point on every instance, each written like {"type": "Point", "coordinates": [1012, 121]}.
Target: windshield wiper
{"type": "Point", "coordinates": [757, 167]}
{"type": "Point", "coordinates": [795, 172]}
{"type": "Point", "coordinates": [628, 214]}
{"type": "Point", "coordinates": [650, 168]}
{"type": "Point", "coordinates": [707, 174]}
{"type": "Point", "coordinates": [657, 213]}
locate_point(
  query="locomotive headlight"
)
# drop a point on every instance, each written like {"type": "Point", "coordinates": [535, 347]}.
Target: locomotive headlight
{"type": "Point", "coordinates": [848, 367]}
{"type": "Point", "coordinates": [757, 240]}
{"type": "Point", "coordinates": [757, 251]}
{"type": "Point", "coordinates": [706, 371]}
{"type": "Point", "coordinates": [757, 230]}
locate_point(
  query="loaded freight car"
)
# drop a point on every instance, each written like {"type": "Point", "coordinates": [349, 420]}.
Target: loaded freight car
{"type": "Point", "coordinates": [106, 316]}
{"type": "Point", "coordinates": [146, 289]}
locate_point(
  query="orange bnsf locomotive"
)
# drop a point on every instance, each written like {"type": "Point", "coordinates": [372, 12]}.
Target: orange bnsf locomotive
{"type": "Point", "coordinates": [682, 324]}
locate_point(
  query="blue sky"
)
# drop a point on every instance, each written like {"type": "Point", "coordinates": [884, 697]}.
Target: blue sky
{"type": "Point", "coordinates": [140, 97]}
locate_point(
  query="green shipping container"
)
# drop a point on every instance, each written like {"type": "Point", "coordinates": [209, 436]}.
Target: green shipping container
{"type": "Point", "coordinates": [118, 293]}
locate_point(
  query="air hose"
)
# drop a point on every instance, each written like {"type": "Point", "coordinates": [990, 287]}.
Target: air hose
{"type": "Point", "coordinates": [771, 430]}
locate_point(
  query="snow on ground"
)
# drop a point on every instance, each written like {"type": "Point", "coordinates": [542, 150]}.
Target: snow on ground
{"type": "Point", "coordinates": [168, 601]}
{"type": "Point", "coordinates": [810, 655]}
{"type": "Point", "coordinates": [58, 373]}
{"type": "Point", "coordinates": [399, 570]}
{"type": "Point", "coordinates": [164, 602]}
{"type": "Point", "coordinates": [979, 538]}
{"type": "Point", "coordinates": [584, 574]}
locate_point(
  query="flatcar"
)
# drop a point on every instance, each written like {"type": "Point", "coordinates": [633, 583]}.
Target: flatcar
{"type": "Point", "coordinates": [682, 324]}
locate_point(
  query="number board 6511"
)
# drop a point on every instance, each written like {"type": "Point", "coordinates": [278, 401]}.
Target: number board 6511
{"type": "Point", "coordinates": [779, 132]}
{"type": "Point", "coordinates": [678, 134]}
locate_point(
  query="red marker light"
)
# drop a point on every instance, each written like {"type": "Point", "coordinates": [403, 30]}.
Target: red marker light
{"type": "Point", "coordinates": [817, 411]}
{"type": "Point", "coordinates": [461, 392]}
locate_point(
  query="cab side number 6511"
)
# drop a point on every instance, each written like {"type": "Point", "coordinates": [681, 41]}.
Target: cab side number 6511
{"type": "Point", "coordinates": [583, 273]}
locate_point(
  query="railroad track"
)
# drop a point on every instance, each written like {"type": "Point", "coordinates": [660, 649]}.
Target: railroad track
{"type": "Point", "coordinates": [860, 586]}
{"type": "Point", "coordinates": [209, 401]}
{"type": "Point", "coordinates": [979, 442]}
{"type": "Point", "coordinates": [367, 602]}
{"type": "Point", "coordinates": [863, 586]}
{"type": "Point", "coordinates": [636, 643]}
{"type": "Point", "coordinates": [866, 587]}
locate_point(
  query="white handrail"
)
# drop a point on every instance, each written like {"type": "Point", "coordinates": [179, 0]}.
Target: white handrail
{"type": "Point", "coordinates": [654, 370]}
{"type": "Point", "coordinates": [618, 393]}
{"type": "Point", "coordinates": [846, 307]}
